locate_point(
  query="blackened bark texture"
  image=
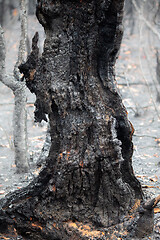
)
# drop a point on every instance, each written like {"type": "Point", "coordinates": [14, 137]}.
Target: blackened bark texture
{"type": "Point", "coordinates": [88, 183]}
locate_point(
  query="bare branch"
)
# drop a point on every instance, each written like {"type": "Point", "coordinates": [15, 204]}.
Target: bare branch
{"type": "Point", "coordinates": [2, 52]}
{"type": "Point", "coordinates": [9, 81]}
{"type": "Point", "coordinates": [149, 25]}
{"type": "Point", "coordinates": [140, 61]}
{"type": "Point", "coordinates": [23, 38]}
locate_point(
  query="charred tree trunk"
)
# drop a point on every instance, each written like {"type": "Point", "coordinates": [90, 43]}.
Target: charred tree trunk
{"type": "Point", "coordinates": [88, 183]}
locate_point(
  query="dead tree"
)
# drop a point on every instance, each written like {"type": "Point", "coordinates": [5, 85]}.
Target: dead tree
{"type": "Point", "coordinates": [19, 90]}
{"type": "Point", "coordinates": [6, 8]}
{"type": "Point", "coordinates": [87, 184]}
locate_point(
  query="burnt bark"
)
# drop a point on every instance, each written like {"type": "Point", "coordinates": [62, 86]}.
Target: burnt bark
{"type": "Point", "coordinates": [87, 184]}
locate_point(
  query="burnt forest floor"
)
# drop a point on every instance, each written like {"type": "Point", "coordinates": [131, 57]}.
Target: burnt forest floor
{"type": "Point", "coordinates": [137, 84]}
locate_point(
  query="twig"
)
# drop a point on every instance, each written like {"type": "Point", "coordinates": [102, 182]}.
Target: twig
{"type": "Point", "coordinates": [149, 25]}
{"type": "Point", "coordinates": [151, 73]}
{"type": "Point", "coordinates": [149, 146]}
{"type": "Point", "coordinates": [132, 84]}
{"type": "Point", "coordinates": [28, 103]}
{"type": "Point", "coordinates": [155, 106]}
{"type": "Point", "coordinates": [10, 143]}
{"type": "Point", "coordinates": [23, 39]}
{"type": "Point", "coordinates": [136, 105]}
{"type": "Point", "coordinates": [135, 135]}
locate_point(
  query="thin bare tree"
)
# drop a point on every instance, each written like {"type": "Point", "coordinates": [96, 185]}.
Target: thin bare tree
{"type": "Point", "coordinates": [19, 89]}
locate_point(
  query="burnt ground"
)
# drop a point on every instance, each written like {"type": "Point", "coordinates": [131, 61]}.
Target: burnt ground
{"type": "Point", "coordinates": [137, 84]}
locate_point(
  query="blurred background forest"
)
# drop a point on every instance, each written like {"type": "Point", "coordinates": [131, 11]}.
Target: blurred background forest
{"type": "Point", "coordinates": [137, 80]}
